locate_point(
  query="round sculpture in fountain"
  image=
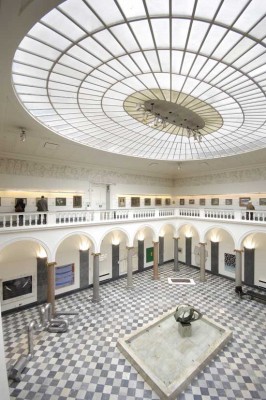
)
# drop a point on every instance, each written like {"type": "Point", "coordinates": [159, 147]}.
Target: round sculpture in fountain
{"type": "Point", "coordinates": [184, 315]}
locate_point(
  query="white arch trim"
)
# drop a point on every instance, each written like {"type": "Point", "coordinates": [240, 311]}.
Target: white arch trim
{"type": "Point", "coordinates": [29, 239]}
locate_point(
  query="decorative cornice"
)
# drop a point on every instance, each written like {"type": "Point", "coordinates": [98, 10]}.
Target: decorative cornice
{"type": "Point", "coordinates": [240, 175]}
{"type": "Point", "coordinates": [94, 175]}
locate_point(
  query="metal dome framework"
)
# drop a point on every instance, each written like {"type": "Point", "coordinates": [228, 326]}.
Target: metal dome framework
{"type": "Point", "coordinates": [77, 67]}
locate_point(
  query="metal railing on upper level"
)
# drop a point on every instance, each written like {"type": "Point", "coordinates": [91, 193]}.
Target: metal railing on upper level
{"type": "Point", "coordinates": [37, 219]}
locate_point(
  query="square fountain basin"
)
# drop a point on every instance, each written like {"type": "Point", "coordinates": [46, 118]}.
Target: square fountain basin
{"type": "Point", "coordinates": [167, 361]}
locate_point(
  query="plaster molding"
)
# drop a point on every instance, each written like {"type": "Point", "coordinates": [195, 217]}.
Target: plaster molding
{"type": "Point", "coordinates": [94, 175]}
{"type": "Point", "coordinates": [243, 175]}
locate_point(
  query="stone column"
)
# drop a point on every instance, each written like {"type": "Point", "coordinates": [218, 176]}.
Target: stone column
{"type": "Point", "coordinates": [238, 274]}
{"type": "Point", "coordinates": [51, 285]}
{"type": "Point", "coordinates": [83, 269]}
{"type": "Point", "coordinates": [155, 260]}
{"type": "Point", "coordinates": [176, 267]}
{"type": "Point", "coordinates": [3, 371]}
{"type": "Point", "coordinates": [140, 255]}
{"type": "Point", "coordinates": [129, 267]}
{"type": "Point", "coordinates": [41, 279]}
{"type": "Point", "coordinates": [96, 279]}
{"type": "Point", "coordinates": [202, 262]}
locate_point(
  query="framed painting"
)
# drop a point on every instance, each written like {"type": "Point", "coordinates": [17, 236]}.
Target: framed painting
{"type": "Point", "coordinates": [182, 202]}
{"type": "Point", "coordinates": [77, 201]}
{"type": "Point", "coordinates": [147, 201]}
{"type": "Point", "coordinates": [215, 201]}
{"type": "Point", "coordinates": [60, 201]}
{"type": "Point", "coordinates": [191, 201]}
{"type": "Point", "coordinates": [121, 202]}
{"type": "Point", "coordinates": [158, 201]}
{"type": "Point", "coordinates": [135, 201]}
{"type": "Point", "coordinates": [243, 201]}
{"type": "Point", "coordinates": [202, 202]}
{"type": "Point", "coordinates": [167, 202]}
{"type": "Point", "coordinates": [228, 202]}
{"type": "Point", "coordinates": [262, 201]}
{"type": "Point", "coordinates": [19, 198]}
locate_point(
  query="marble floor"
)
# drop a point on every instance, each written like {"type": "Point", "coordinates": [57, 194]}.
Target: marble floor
{"type": "Point", "coordinates": [84, 362]}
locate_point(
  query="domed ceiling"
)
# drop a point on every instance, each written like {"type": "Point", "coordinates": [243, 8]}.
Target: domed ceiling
{"type": "Point", "coordinates": [167, 80]}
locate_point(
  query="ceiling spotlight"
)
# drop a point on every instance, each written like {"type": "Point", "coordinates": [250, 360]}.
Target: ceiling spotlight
{"type": "Point", "coordinates": [23, 135]}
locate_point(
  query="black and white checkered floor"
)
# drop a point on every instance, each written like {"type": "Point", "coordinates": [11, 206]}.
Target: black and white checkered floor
{"type": "Point", "coordinates": [84, 363]}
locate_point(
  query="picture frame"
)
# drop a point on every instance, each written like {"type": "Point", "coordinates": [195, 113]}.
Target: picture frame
{"type": "Point", "coordinates": [181, 202]}
{"type": "Point", "coordinates": [228, 202]}
{"type": "Point", "coordinates": [202, 202]}
{"type": "Point", "coordinates": [243, 201]}
{"type": "Point", "coordinates": [135, 201]}
{"type": "Point", "coordinates": [121, 202]}
{"type": "Point", "coordinates": [262, 201]}
{"type": "Point", "coordinates": [191, 201]}
{"type": "Point", "coordinates": [77, 201]}
{"type": "Point", "coordinates": [147, 201]}
{"type": "Point", "coordinates": [215, 201]}
{"type": "Point", "coordinates": [60, 201]}
{"type": "Point", "coordinates": [167, 202]}
{"type": "Point", "coordinates": [23, 198]}
{"type": "Point", "coordinates": [158, 201]}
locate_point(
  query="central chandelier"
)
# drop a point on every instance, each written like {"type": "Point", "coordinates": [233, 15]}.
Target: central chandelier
{"type": "Point", "coordinates": [160, 113]}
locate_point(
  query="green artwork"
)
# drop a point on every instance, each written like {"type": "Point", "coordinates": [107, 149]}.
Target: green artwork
{"type": "Point", "coordinates": [149, 254]}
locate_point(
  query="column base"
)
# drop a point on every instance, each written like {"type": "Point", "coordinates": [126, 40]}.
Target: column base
{"type": "Point", "coordinates": [130, 287]}
{"type": "Point", "coordinates": [155, 278]}
{"type": "Point", "coordinates": [203, 279]}
{"type": "Point", "coordinates": [96, 300]}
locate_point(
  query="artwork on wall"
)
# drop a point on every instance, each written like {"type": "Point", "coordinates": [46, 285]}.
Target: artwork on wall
{"type": "Point", "coordinates": [149, 254]}
{"type": "Point", "coordinates": [64, 275]}
{"type": "Point", "coordinates": [147, 202]}
{"type": "Point", "coordinates": [228, 202]}
{"type": "Point", "coordinates": [121, 202]}
{"type": "Point", "coordinates": [135, 201]}
{"type": "Point", "coordinates": [19, 198]}
{"type": "Point", "coordinates": [229, 262]}
{"type": "Point", "coordinates": [60, 201]}
{"type": "Point", "coordinates": [262, 202]}
{"type": "Point", "coordinates": [243, 201]}
{"type": "Point", "coordinates": [191, 201]}
{"type": "Point", "coordinates": [77, 201]}
{"type": "Point", "coordinates": [158, 201]}
{"type": "Point", "coordinates": [202, 202]}
{"type": "Point", "coordinates": [215, 201]}
{"type": "Point", "coordinates": [182, 202]}
{"type": "Point", "coordinates": [167, 202]}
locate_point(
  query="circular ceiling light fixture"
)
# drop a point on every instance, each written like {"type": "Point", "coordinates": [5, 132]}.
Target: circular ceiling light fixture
{"type": "Point", "coordinates": [79, 66]}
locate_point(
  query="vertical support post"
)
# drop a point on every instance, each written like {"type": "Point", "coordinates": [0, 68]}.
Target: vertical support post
{"type": "Point", "coordinates": [83, 269]}
{"type": "Point", "coordinates": [202, 262]}
{"type": "Point", "coordinates": [249, 266]}
{"type": "Point", "coordinates": [238, 275]}
{"type": "Point", "coordinates": [161, 250]}
{"type": "Point", "coordinates": [215, 257]}
{"type": "Point", "coordinates": [3, 371]}
{"type": "Point", "coordinates": [129, 267]}
{"type": "Point", "coordinates": [96, 278]}
{"type": "Point", "coordinates": [155, 261]}
{"type": "Point", "coordinates": [115, 261]}
{"type": "Point", "coordinates": [140, 255]}
{"type": "Point", "coordinates": [51, 285]}
{"type": "Point", "coordinates": [41, 279]}
{"type": "Point", "coordinates": [176, 268]}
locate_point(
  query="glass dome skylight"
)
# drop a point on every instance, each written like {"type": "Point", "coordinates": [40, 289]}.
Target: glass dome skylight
{"type": "Point", "coordinates": [87, 67]}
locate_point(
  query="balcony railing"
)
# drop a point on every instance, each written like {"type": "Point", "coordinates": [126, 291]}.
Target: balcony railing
{"type": "Point", "coordinates": [37, 219]}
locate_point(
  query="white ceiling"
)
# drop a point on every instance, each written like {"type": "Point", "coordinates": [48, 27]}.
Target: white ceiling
{"type": "Point", "coordinates": [243, 114]}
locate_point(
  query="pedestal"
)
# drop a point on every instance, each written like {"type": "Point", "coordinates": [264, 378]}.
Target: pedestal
{"type": "Point", "coordinates": [185, 330]}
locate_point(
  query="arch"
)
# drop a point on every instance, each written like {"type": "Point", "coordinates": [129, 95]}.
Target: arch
{"type": "Point", "coordinates": [220, 228]}
{"type": "Point", "coordinates": [168, 224]}
{"type": "Point", "coordinates": [76, 233]}
{"type": "Point", "coordinates": [185, 223]}
{"type": "Point", "coordinates": [29, 239]}
{"type": "Point", "coordinates": [115, 229]}
{"type": "Point", "coordinates": [146, 226]}
{"type": "Point", "coordinates": [249, 233]}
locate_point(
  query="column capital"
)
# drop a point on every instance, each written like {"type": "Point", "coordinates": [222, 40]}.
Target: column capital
{"type": "Point", "coordinates": [178, 237]}
{"type": "Point", "coordinates": [202, 243]}
{"type": "Point", "coordinates": [51, 264]}
{"type": "Point", "coordinates": [129, 247]}
{"type": "Point", "coordinates": [238, 250]}
{"type": "Point", "coordinates": [95, 254]}
{"type": "Point", "coordinates": [155, 242]}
